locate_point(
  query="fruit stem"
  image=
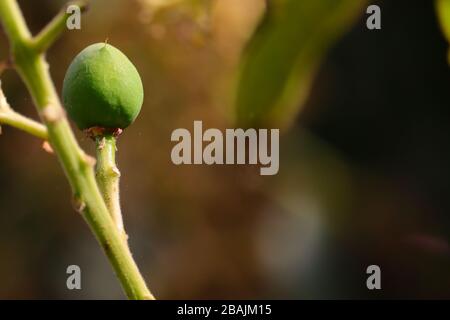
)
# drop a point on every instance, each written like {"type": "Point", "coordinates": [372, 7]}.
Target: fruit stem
{"type": "Point", "coordinates": [78, 166]}
{"type": "Point", "coordinates": [108, 176]}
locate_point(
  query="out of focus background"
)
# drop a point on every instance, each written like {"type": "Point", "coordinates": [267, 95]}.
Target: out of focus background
{"type": "Point", "coordinates": [364, 166]}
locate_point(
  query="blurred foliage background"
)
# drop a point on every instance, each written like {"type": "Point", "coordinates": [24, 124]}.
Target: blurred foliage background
{"type": "Point", "coordinates": [364, 168]}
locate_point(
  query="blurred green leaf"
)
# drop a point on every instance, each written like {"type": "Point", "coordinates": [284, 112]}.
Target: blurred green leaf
{"type": "Point", "coordinates": [443, 11]}
{"type": "Point", "coordinates": [197, 9]}
{"type": "Point", "coordinates": [280, 61]}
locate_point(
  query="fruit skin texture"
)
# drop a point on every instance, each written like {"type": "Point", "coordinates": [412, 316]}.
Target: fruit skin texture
{"type": "Point", "coordinates": [102, 88]}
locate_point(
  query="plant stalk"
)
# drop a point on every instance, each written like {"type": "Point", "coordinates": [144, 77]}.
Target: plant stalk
{"type": "Point", "coordinates": [78, 166]}
{"type": "Point", "coordinates": [108, 177]}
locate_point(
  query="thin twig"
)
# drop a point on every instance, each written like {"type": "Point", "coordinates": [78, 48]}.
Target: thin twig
{"type": "Point", "coordinates": [14, 119]}
{"type": "Point", "coordinates": [55, 28]}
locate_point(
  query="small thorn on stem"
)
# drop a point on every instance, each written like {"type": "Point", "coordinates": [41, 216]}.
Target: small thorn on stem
{"type": "Point", "coordinates": [116, 171]}
{"type": "Point", "coordinates": [78, 204]}
{"type": "Point", "coordinates": [117, 132]}
{"type": "Point", "coordinates": [47, 147]}
{"type": "Point", "coordinates": [102, 143]}
{"type": "Point", "coordinates": [91, 161]}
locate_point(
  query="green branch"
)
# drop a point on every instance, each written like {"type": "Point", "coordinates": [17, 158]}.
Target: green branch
{"type": "Point", "coordinates": [14, 119]}
{"type": "Point", "coordinates": [55, 28]}
{"type": "Point", "coordinates": [443, 12]}
{"type": "Point", "coordinates": [14, 22]}
{"type": "Point", "coordinates": [78, 167]}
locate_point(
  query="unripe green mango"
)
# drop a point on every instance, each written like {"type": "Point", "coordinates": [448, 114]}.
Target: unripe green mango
{"type": "Point", "coordinates": [102, 88]}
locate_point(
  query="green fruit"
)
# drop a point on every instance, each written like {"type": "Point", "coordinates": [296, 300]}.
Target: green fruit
{"type": "Point", "coordinates": [102, 88]}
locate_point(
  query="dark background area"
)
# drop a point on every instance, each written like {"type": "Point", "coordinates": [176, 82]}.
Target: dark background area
{"type": "Point", "coordinates": [386, 110]}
